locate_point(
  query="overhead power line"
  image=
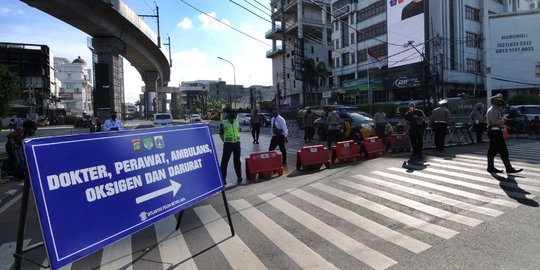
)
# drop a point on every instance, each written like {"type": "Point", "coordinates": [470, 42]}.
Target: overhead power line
{"type": "Point", "coordinates": [234, 28]}
{"type": "Point", "coordinates": [248, 10]}
{"type": "Point", "coordinates": [264, 6]}
{"type": "Point", "coordinates": [263, 11]}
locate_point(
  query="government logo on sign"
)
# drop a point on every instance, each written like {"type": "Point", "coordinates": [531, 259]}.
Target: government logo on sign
{"type": "Point", "coordinates": [143, 216]}
{"type": "Point", "coordinates": [136, 144]}
{"type": "Point", "coordinates": [158, 141]}
{"type": "Point", "coordinates": [148, 143]}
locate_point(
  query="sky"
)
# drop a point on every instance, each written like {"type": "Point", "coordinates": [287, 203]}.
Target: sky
{"type": "Point", "coordinates": [196, 39]}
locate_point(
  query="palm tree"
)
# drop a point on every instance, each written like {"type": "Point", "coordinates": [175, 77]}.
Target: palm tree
{"type": "Point", "coordinates": [309, 77]}
{"type": "Point", "coordinates": [321, 75]}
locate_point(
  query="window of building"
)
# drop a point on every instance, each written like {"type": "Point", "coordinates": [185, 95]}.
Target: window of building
{"type": "Point", "coordinates": [372, 31]}
{"type": "Point", "coordinates": [312, 49]}
{"type": "Point", "coordinates": [473, 65]}
{"type": "Point", "coordinates": [345, 58]}
{"type": "Point", "coordinates": [287, 75]}
{"type": "Point", "coordinates": [345, 35]}
{"type": "Point", "coordinates": [498, 1]}
{"type": "Point", "coordinates": [353, 58]}
{"type": "Point", "coordinates": [352, 38]}
{"type": "Point", "coordinates": [472, 14]}
{"type": "Point", "coordinates": [473, 40]}
{"type": "Point", "coordinates": [538, 69]}
{"type": "Point", "coordinates": [371, 11]}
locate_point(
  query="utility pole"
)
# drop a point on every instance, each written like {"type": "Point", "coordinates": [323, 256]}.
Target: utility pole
{"type": "Point", "coordinates": [425, 64]}
{"type": "Point", "coordinates": [157, 19]}
{"type": "Point", "coordinates": [168, 44]}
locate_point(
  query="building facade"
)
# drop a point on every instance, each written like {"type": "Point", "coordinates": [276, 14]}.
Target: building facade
{"type": "Point", "coordinates": [33, 64]}
{"type": "Point", "coordinates": [300, 51]}
{"type": "Point", "coordinates": [386, 51]}
{"type": "Point", "coordinates": [76, 86]}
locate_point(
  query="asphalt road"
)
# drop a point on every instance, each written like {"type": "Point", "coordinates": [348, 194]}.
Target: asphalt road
{"type": "Point", "coordinates": [447, 213]}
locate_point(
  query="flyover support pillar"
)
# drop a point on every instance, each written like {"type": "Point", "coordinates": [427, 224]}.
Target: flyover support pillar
{"type": "Point", "coordinates": [150, 79]}
{"type": "Point", "coordinates": [108, 70]}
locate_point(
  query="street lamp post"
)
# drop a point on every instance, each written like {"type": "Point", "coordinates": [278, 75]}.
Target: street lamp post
{"type": "Point", "coordinates": [234, 76]}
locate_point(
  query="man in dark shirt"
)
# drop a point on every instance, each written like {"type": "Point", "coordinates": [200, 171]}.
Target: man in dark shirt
{"type": "Point", "coordinates": [415, 123]}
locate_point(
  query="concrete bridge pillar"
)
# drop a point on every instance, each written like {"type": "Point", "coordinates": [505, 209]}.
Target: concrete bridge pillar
{"type": "Point", "coordinates": [108, 70]}
{"type": "Point", "coordinates": [150, 79]}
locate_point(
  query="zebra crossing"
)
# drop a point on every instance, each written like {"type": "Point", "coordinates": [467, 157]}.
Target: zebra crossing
{"type": "Point", "coordinates": [368, 220]}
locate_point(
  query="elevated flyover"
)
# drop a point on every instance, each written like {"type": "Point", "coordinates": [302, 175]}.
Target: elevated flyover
{"type": "Point", "coordinates": [116, 30]}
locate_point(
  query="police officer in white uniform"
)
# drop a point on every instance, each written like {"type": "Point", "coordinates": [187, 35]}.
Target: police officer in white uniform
{"type": "Point", "coordinates": [497, 145]}
{"type": "Point", "coordinates": [112, 123]}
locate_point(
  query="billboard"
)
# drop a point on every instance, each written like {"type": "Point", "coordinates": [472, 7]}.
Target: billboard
{"type": "Point", "coordinates": [405, 22]}
{"type": "Point", "coordinates": [514, 51]}
{"type": "Point", "coordinates": [94, 189]}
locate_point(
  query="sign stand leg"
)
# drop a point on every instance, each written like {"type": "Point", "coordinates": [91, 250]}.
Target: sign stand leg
{"type": "Point", "coordinates": [19, 251]}
{"type": "Point", "coordinates": [179, 219]}
{"type": "Point", "coordinates": [228, 212]}
{"type": "Point", "coordinates": [229, 218]}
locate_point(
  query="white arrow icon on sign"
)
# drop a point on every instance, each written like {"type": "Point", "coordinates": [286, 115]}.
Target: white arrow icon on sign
{"type": "Point", "coordinates": [174, 187]}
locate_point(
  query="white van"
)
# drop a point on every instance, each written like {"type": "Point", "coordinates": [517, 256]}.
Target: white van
{"type": "Point", "coordinates": [162, 119]}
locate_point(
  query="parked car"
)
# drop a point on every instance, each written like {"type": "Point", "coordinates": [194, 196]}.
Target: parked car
{"type": "Point", "coordinates": [318, 111]}
{"type": "Point", "coordinates": [361, 126]}
{"type": "Point", "coordinates": [194, 118]}
{"type": "Point", "coordinates": [243, 118]}
{"type": "Point", "coordinates": [162, 119]}
{"type": "Point", "coordinates": [530, 111]}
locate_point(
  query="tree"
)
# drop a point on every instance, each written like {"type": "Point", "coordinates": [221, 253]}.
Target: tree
{"type": "Point", "coordinates": [309, 77]}
{"type": "Point", "coordinates": [208, 107]}
{"type": "Point", "coordinates": [314, 75]}
{"type": "Point", "coordinates": [321, 75]}
{"type": "Point", "coordinates": [10, 89]}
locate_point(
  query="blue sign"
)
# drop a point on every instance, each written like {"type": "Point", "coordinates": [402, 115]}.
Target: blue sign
{"type": "Point", "coordinates": [94, 189]}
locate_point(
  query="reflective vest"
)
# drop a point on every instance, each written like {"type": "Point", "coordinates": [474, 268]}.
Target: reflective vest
{"type": "Point", "coordinates": [230, 131]}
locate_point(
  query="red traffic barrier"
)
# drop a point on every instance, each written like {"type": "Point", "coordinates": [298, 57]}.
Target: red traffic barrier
{"type": "Point", "coordinates": [312, 157]}
{"type": "Point", "coordinates": [345, 151]}
{"type": "Point", "coordinates": [373, 147]}
{"type": "Point", "coordinates": [398, 143]}
{"type": "Point", "coordinates": [265, 164]}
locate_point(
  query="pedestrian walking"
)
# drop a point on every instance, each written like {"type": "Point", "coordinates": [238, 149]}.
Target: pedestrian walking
{"type": "Point", "coordinates": [279, 135]}
{"type": "Point", "coordinates": [229, 132]}
{"type": "Point", "coordinates": [113, 124]}
{"type": "Point", "coordinates": [497, 145]}
{"type": "Point", "coordinates": [332, 122]}
{"type": "Point", "coordinates": [255, 125]}
{"type": "Point", "coordinates": [14, 149]}
{"type": "Point", "coordinates": [308, 120]}
{"type": "Point", "coordinates": [479, 121]}
{"type": "Point", "coordinates": [440, 120]}
{"type": "Point", "coordinates": [380, 122]}
{"type": "Point", "coordinates": [414, 126]}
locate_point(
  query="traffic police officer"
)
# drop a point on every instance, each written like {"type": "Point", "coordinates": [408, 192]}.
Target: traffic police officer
{"type": "Point", "coordinates": [479, 121]}
{"type": "Point", "coordinates": [440, 119]}
{"type": "Point", "coordinates": [112, 123]}
{"type": "Point", "coordinates": [414, 127]}
{"type": "Point", "coordinates": [332, 121]}
{"type": "Point", "coordinates": [230, 135]}
{"type": "Point", "coordinates": [497, 145]}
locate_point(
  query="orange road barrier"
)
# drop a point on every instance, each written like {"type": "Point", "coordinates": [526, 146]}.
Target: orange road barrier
{"type": "Point", "coordinates": [373, 147]}
{"type": "Point", "coordinates": [398, 143]}
{"type": "Point", "coordinates": [346, 151]}
{"type": "Point", "coordinates": [265, 164]}
{"type": "Point", "coordinates": [312, 157]}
